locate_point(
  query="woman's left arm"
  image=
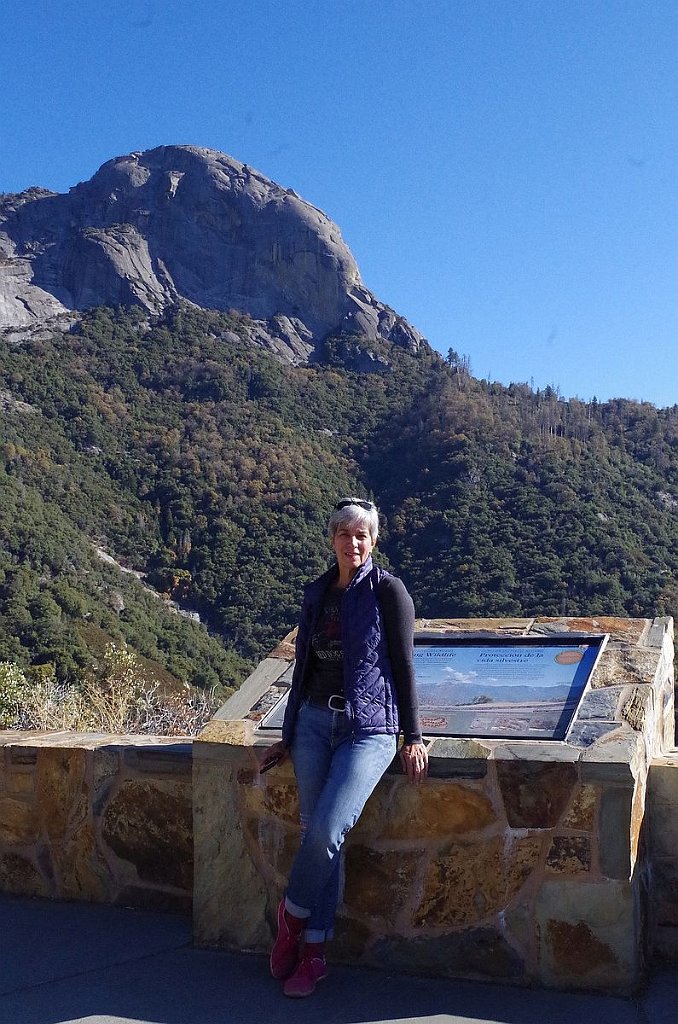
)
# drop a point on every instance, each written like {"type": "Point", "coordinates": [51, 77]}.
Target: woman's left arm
{"type": "Point", "coordinates": [397, 612]}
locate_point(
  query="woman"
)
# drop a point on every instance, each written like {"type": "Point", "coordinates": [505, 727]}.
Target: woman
{"type": "Point", "coordinates": [352, 693]}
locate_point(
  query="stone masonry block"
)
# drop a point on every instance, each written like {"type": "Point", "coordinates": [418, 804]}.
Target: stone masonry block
{"type": "Point", "coordinates": [637, 706]}
{"type": "Point", "coordinates": [569, 855]}
{"type": "Point", "coordinates": [19, 875]}
{"type": "Point", "coordinates": [20, 754]}
{"type": "Point", "coordinates": [18, 822]}
{"type": "Point", "coordinates": [456, 758]}
{"type": "Point", "coordinates": [280, 799]}
{"type": "Point", "coordinates": [79, 869]}
{"type": "Point", "coordinates": [637, 824]}
{"type": "Point", "coordinates": [276, 844]}
{"type": "Point", "coordinates": [149, 823]}
{"type": "Point", "coordinates": [587, 734]}
{"type": "Point", "coordinates": [581, 814]}
{"type": "Point", "coordinates": [628, 631]}
{"type": "Point", "coordinates": [662, 805]}
{"type": "Point", "coordinates": [231, 733]}
{"type": "Point", "coordinates": [588, 935]}
{"type": "Point", "coordinates": [376, 811]}
{"type": "Point", "coordinates": [535, 795]}
{"type": "Point", "coordinates": [436, 809]}
{"type": "Point", "coordinates": [104, 769]}
{"type": "Point", "coordinates": [251, 794]}
{"type": "Point", "coordinates": [600, 704]}
{"type": "Point", "coordinates": [61, 790]}
{"type": "Point", "coordinates": [620, 756]}
{"type": "Point", "coordinates": [20, 784]}
{"type": "Point", "coordinates": [465, 885]}
{"type": "Point", "coordinates": [231, 902]}
{"type": "Point", "coordinates": [379, 882]}
{"type": "Point", "coordinates": [351, 939]}
{"type": "Point", "coordinates": [625, 666]}
{"type": "Point", "coordinates": [665, 893]}
{"type": "Point", "coordinates": [174, 759]}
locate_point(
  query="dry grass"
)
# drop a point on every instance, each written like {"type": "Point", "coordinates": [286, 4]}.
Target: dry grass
{"type": "Point", "coordinates": [120, 699]}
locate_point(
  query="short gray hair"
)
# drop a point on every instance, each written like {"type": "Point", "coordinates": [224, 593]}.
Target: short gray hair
{"type": "Point", "coordinates": [351, 513]}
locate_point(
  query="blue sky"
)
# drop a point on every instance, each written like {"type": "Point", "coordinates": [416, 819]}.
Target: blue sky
{"type": "Point", "coordinates": [504, 172]}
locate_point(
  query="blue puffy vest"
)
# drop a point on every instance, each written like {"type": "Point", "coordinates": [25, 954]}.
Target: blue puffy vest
{"type": "Point", "coordinates": [368, 680]}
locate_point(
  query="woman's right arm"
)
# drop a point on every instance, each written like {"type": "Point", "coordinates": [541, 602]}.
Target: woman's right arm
{"type": "Point", "coordinates": [272, 756]}
{"type": "Point", "coordinates": [300, 650]}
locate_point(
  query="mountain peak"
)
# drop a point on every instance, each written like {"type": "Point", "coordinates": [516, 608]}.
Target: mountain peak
{"type": "Point", "coordinates": [185, 223]}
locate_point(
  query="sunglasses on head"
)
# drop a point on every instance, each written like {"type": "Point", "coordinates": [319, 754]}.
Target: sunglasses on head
{"type": "Point", "coordinates": [345, 502]}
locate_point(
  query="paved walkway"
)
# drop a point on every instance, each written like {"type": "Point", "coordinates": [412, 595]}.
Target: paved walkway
{"type": "Point", "coordinates": [62, 963]}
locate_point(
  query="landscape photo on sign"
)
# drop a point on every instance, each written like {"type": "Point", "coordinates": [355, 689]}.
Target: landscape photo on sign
{"type": "Point", "coordinates": [519, 690]}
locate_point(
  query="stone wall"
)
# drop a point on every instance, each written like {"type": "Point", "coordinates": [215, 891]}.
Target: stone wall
{"type": "Point", "coordinates": [511, 869]}
{"type": "Point", "coordinates": [93, 817]}
{"type": "Point", "coordinates": [516, 860]}
{"type": "Point", "coordinates": [663, 854]}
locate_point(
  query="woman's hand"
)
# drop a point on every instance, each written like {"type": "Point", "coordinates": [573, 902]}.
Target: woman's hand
{"type": "Point", "coordinates": [273, 755]}
{"type": "Point", "coordinates": [414, 759]}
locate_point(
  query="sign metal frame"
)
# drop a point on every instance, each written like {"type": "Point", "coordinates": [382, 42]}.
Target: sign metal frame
{"type": "Point", "coordinates": [495, 687]}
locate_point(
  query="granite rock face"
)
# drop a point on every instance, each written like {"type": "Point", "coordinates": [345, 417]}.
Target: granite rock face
{"type": "Point", "coordinates": [186, 223]}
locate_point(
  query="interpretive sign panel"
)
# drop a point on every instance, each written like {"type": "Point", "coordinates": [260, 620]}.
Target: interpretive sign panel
{"type": "Point", "coordinates": [495, 687]}
{"type": "Point", "coordinates": [511, 688]}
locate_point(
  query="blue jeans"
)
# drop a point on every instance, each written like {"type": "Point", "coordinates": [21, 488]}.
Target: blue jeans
{"type": "Point", "coordinates": [336, 773]}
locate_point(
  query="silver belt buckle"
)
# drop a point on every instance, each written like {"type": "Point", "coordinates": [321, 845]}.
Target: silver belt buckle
{"type": "Point", "coordinates": [342, 700]}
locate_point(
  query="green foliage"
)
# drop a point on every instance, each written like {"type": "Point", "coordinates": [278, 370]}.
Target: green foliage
{"type": "Point", "coordinates": [511, 502]}
{"type": "Point", "coordinates": [14, 688]}
{"type": "Point", "coordinates": [60, 604]}
{"type": "Point", "coordinates": [197, 459]}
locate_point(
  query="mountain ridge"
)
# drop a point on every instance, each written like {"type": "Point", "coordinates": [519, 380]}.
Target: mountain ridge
{"type": "Point", "coordinates": [186, 223]}
{"type": "Point", "coordinates": [206, 447]}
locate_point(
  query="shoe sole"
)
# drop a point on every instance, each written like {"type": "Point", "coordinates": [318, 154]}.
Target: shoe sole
{"type": "Point", "coordinates": [302, 995]}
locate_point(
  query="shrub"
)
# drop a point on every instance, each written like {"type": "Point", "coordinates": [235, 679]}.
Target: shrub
{"type": "Point", "coordinates": [119, 700]}
{"type": "Point", "coordinates": [13, 689]}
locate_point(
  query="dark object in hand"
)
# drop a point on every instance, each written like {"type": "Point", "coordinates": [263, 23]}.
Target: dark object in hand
{"type": "Point", "coordinates": [269, 763]}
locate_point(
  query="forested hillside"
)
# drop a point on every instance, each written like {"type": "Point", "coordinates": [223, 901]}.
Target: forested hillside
{"type": "Point", "coordinates": [190, 455]}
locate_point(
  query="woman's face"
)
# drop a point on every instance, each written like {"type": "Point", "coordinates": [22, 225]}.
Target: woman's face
{"type": "Point", "coordinates": [352, 545]}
